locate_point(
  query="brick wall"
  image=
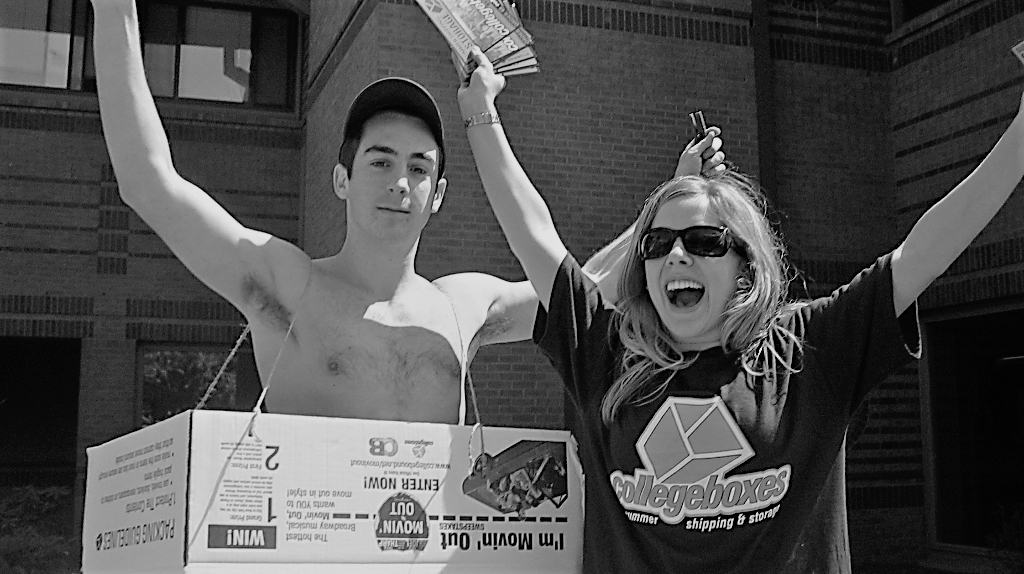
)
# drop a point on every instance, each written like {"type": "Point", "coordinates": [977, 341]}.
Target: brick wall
{"type": "Point", "coordinates": [832, 96]}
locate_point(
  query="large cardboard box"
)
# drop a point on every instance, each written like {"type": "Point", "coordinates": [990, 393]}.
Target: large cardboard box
{"type": "Point", "coordinates": [214, 491]}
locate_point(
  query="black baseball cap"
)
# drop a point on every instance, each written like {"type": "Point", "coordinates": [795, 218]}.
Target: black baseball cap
{"type": "Point", "coordinates": [399, 95]}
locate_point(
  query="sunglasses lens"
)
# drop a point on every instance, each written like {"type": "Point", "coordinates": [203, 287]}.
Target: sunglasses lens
{"type": "Point", "coordinates": [706, 242]}
{"type": "Point", "coordinates": [657, 243]}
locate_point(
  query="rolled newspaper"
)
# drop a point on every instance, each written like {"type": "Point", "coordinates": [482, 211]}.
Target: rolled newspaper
{"type": "Point", "coordinates": [492, 25]}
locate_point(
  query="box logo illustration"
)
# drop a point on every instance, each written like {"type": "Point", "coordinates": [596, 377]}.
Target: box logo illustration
{"type": "Point", "coordinates": [419, 447]}
{"type": "Point", "coordinates": [687, 448]}
{"type": "Point", "coordinates": [689, 439]}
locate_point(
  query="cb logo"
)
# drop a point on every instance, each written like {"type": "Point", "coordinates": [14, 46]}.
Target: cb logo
{"type": "Point", "coordinates": [383, 447]}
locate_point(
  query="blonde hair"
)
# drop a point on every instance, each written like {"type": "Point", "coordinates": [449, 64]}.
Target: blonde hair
{"type": "Point", "coordinates": [754, 322]}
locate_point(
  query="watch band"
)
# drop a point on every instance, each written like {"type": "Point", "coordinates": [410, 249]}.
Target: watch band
{"type": "Point", "coordinates": [481, 119]}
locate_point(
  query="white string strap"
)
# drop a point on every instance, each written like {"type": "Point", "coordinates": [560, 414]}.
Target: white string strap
{"type": "Point", "coordinates": [464, 378]}
{"type": "Point", "coordinates": [273, 367]}
{"type": "Point", "coordinates": [280, 350]}
{"type": "Point", "coordinates": [223, 367]}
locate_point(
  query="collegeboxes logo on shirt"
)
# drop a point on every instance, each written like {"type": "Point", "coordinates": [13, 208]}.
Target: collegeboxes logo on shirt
{"type": "Point", "coordinates": [687, 448]}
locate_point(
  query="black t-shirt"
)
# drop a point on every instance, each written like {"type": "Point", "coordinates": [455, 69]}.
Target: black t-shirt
{"type": "Point", "coordinates": [721, 473]}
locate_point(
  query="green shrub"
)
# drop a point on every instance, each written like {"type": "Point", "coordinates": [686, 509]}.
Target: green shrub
{"type": "Point", "coordinates": [1008, 538]}
{"type": "Point", "coordinates": [35, 531]}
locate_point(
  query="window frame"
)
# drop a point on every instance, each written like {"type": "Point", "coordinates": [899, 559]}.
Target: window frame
{"type": "Point", "coordinates": [80, 9]}
{"type": "Point", "coordinates": [81, 58]}
{"type": "Point", "coordinates": [256, 11]}
{"type": "Point", "coordinates": [940, 552]}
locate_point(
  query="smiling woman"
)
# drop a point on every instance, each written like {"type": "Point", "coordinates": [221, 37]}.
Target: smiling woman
{"type": "Point", "coordinates": [714, 410]}
{"type": "Point", "coordinates": [684, 283]}
{"type": "Point", "coordinates": [720, 283]}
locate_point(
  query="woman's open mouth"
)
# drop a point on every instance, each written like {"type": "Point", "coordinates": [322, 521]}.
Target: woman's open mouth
{"type": "Point", "coordinates": [684, 293]}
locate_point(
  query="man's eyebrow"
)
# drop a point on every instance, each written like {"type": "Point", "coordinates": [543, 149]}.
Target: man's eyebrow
{"type": "Point", "coordinates": [390, 151]}
{"type": "Point", "coordinates": [380, 149]}
{"type": "Point", "coordinates": [423, 156]}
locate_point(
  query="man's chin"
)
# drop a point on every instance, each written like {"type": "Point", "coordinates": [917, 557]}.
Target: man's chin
{"type": "Point", "coordinates": [397, 232]}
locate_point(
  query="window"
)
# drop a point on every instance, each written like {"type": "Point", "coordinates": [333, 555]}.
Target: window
{"type": "Point", "coordinates": [913, 8]}
{"type": "Point", "coordinates": [976, 404]}
{"type": "Point", "coordinates": [191, 51]}
{"type": "Point", "coordinates": [43, 43]}
{"type": "Point", "coordinates": [39, 386]}
{"type": "Point", "coordinates": [216, 57]}
{"type": "Point", "coordinates": [174, 379]}
{"type": "Point", "coordinates": [220, 54]}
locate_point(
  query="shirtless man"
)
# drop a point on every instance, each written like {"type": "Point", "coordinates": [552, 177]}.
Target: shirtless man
{"type": "Point", "coordinates": [358, 334]}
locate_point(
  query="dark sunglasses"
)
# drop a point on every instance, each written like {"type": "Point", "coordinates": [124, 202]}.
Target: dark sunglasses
{"type": "Point", "coordinates": [701, 240]}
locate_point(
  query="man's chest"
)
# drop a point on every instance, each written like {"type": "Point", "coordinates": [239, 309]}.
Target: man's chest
{"type": "Point", "coordinates": [336, 317]}
{"type": "Point", "coordinates": [367, 371]}
{"type": "Point", "coordinates": [397, 359]}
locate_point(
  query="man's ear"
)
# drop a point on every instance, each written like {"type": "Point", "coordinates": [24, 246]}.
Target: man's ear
{"type": "Point", "coordinates": [442, 185]}
{"type": "Point", "coordinates": [341, 181]}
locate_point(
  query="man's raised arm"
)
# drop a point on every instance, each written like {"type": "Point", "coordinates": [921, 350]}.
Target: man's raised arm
{"type": "Point", "coordinates": [519, 208]}
{"type": "Point", "coordinates": [239, 263]}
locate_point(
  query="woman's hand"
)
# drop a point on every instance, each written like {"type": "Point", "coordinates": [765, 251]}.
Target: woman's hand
{"type": "Point", "coordinates": [702, 157]}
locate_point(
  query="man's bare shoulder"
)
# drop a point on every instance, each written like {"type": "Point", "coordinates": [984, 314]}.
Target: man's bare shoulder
{"type": "Point", "coordinates": [470, 280]}
{"type": "Point", "coordinates": [507, 308]}
{"type": "Point", "coordinates": [474, 288]}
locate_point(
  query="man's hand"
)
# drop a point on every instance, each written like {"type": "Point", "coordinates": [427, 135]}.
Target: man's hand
{"type": "Point", "coordinates": [478, 91]}
{"type": "Point", "coordinates": [704, 156]}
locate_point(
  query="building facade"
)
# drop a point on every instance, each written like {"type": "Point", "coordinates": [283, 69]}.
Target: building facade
{"type": "Point", "coordinates": [855, 114]}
